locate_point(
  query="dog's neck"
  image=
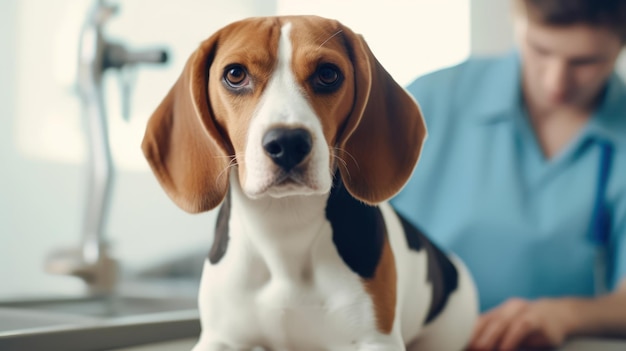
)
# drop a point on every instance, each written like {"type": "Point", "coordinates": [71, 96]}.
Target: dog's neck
{"type": "Point", "coordinates": [284, 231]}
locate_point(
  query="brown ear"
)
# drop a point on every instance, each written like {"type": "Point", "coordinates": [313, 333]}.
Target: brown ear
{"type": "Point", "coordinates": [182, 142]}
{"type": "Point", "coordinates": [383, 136]}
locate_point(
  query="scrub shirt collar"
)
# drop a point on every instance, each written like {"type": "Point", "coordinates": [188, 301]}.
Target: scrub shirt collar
{"type": "Point", "coordinates": [609, 121]}
{"type": "Point", "coordinates": [498, 95]}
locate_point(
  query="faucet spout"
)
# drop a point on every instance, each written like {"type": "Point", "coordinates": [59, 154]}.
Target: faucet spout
{"type": "Point", "coordinates": [92, 261]}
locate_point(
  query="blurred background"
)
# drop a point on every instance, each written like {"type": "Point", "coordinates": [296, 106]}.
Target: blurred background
{"type": "Point", "coordinates": [43, 135]}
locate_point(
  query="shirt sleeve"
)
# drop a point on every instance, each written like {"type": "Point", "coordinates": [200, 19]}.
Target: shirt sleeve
{"type": "Point", "coordinates": [431, 90]}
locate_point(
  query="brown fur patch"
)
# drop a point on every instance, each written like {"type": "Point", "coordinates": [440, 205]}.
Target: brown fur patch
{"type": "Point", "coordinates": [382, 288]}
{"type": "Point", "coordinates": [234, 111]}
{"type": "Point", "coordinates": [360, 236]}
{"type": "Point", "coordinates": [314, 43]}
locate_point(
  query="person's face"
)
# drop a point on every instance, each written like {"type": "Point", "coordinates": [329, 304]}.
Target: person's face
{"type": "Point", "coordinates": [565, 66]}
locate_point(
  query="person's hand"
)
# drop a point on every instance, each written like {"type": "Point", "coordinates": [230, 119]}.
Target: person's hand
{"type": "Point", "coordinates": [520, 323]}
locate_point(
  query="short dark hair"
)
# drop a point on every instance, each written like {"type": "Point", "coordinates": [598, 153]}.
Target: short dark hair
{"type": "Point", "coordinates": [607, 13]}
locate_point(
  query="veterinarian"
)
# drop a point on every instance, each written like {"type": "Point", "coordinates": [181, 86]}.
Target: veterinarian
{"type": "Point", "coordinates": [523, 175]}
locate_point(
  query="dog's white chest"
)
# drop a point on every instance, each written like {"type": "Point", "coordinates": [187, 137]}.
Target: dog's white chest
{"type": "Point", "coordinates": [243, 302]}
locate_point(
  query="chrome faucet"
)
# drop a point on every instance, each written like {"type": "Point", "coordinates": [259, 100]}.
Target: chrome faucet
{"type": "Point", "coordinates": [91, 261]}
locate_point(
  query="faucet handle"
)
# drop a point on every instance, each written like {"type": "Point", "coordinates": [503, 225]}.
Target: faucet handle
{"type": "Point", "coordinates": [119, 57]}
{"type": "Point", "coordinates": [151, 56]}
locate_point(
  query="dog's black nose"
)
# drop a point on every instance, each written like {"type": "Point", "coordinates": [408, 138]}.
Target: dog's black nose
{"type": "Point", "coordinates": [287, 147]}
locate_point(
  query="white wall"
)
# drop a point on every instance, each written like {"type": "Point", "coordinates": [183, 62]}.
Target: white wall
{"type": "Point", "coordinates": [491, 31]}
{"type": "Point", "coordinates": [7, 111]}
{"type": "Point", "coordinates": [8, 24]}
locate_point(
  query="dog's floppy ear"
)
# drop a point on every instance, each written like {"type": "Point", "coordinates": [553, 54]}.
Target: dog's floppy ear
{"type": "Point", "coordinates": [384, 133]}
{"type": "Point", "coordinates": [183, 144]}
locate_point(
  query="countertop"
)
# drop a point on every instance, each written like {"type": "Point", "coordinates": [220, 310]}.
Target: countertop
{"type": "Point", "coordinates": [574, 345]}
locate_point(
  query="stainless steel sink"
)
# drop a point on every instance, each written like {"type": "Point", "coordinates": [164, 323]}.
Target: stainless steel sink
{"type": "Point", "coordinates": [104, 307]}
{"type": "Point", "coordinates": [15, 319]}
{"type": "Point", "coordinates": [96, 323]}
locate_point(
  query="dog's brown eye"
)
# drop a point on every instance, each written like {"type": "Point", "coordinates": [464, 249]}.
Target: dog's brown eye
{"type": "Point", "coordinates": [327, 78]}
{"type": "Point", "coordinates": [327, 75]}
{"type": "Point", "coordinates": [236, 76]}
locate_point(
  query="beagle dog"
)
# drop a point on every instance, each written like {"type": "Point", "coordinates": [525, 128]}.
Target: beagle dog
{"type": "Point", "coordinates": [293, 128]}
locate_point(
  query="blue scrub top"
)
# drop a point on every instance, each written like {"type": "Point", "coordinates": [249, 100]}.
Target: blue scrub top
{"type": "Point", "coordinates": [484, 190]}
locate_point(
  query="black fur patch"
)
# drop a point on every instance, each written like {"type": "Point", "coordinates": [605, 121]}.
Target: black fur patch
{"type": "Point", "coordinates": [358, 231]}
{"type": "Point", "coordinates": [220, 240]}
{"type": "Point", "coordinates": [441, 272]}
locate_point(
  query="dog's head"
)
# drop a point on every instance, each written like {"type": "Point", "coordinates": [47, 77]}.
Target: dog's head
{"type": "Point", "coordinates": [288, 101]}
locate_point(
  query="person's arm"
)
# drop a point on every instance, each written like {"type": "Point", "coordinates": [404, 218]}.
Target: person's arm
{"type": "Point", "coordinates": [549, 322]}
{"type": "Point", "coordinates": [602, 316]}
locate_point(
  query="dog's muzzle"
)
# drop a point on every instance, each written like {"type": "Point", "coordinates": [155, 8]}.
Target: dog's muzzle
{"type": "Point", "coordinates": [287, 147]}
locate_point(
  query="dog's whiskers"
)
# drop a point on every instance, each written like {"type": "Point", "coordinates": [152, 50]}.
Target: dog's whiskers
{"type": "Point", "coordinates": [345, 167]}
{"type": "Point", "coordinates": [347, 153]}
{"type": "Point", "coordinates": [232, 163]}
{"type": "Point", "coordinates": [344, 163]}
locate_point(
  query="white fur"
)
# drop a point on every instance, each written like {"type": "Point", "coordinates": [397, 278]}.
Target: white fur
{"type": "Point", "coordinates": [282, 285]}
{"type": "Point", "coordinates": [283, 104]}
